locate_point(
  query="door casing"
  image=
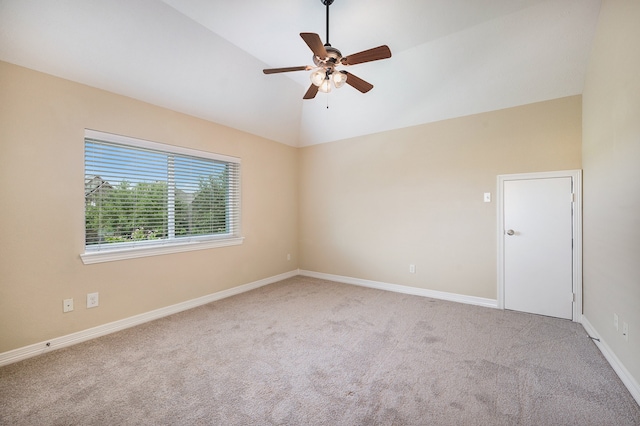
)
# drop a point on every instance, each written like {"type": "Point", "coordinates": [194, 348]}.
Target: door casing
{"type": "Point", "coordinates": [576, 176]}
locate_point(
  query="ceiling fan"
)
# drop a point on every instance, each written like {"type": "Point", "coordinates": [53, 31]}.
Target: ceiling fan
{"type": "Point", "coordinates": [327, 58]}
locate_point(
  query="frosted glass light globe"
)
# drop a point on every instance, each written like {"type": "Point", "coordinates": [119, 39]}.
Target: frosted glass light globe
{"type": "Point", "coordinates": [339, 79]}
{"type": "Point", "coordinates": [318, 76]}
{"type": "Point", "coordinates": [325, 87]}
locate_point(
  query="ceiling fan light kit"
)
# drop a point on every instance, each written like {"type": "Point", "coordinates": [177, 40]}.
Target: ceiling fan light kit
{"type": "Point", "coordinates": [326, 58]}
{"type": "Point", "coordinates": [324, 78]}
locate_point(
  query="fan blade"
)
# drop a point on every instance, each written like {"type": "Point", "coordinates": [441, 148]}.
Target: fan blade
{"type": "Point", "coordinates": [315, 44]}
{"type": "Point", "coordinates": [375, 54]}
{"type": "Point", "coordinates": [357, 82]}
{"type": "Point", "coordinates": [277, 70]}
{"type": "Point", "coordinates": [311, 93]}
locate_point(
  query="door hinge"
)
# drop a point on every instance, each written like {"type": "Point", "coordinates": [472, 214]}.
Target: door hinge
{"type": "Point", "coordinates": [573, 197]}
{"type": "Point", "coordinates": [573, 297]}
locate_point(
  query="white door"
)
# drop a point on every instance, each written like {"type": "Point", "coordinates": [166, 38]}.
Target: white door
{"type": "Point", "coordinates": [538, 246]}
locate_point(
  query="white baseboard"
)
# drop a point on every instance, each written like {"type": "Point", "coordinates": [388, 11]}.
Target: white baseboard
{"type": "Point", "coordinates": [452, 297]}
{"type": "Point", "coordinates": [618, 367]}
{"type": "Point", "coordinates": [91, 333]}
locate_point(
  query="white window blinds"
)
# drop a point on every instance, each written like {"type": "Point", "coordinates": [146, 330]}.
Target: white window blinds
{"type": "Point", "coordinates": [140, 194]}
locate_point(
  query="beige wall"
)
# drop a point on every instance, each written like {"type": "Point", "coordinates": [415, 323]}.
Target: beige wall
{"type": "Point", "coordinates": [42, 122]}
{"type": "Point", "coordinates": [372, 205]}
{"type": "Point", "coordinates": [368, 206]}
{"type": "Point", "coordinates": [611, 158]}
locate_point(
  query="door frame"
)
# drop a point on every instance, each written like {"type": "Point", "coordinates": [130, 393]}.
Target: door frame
{"type": "Point", "coordinates": [576, 176]}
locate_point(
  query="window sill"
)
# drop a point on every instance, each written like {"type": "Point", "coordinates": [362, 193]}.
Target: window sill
{"type": "Point", "coordinates": [90, 257]}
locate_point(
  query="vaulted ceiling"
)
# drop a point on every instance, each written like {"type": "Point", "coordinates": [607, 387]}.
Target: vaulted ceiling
{"type": "Point", "coordinates": [205, 57]}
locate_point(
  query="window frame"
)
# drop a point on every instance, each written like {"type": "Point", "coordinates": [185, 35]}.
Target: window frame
{"type": "Point", "coordinates": [121, 251]}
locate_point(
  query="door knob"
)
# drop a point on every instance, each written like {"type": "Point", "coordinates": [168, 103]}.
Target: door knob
{"type": "Point", "coordinates": [510, 232]}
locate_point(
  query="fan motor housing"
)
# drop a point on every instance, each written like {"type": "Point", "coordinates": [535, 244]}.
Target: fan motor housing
{"type": "Point", "coordinates": [333, 58]}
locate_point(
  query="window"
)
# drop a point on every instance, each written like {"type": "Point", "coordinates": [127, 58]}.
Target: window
{"type": "Point", "coordinates": [144, 198]}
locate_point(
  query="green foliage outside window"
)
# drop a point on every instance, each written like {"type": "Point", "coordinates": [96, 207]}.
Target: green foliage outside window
{"type": "Point", "coordinates": [133, 212]}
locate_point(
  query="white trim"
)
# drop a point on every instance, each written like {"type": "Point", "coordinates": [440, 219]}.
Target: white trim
{"type": "Point", "coordinates": [157, 146]}
{"type": "Point", "coordinates": [576, 176]}
{"type": "Point", "coordinates": [91, 257]}
{"type": "Point", "coordinates": [396, 288]}
{"type": "Point", "coordinates": [622, 372]}
{"type": "Point", "coordinates": [101, 330]}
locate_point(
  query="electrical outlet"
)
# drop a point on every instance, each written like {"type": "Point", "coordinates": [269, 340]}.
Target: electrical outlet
{"type": "Point", "coordinates": [412, 268]}
{"type": "Point", "coordinates": [288, 256]}
{"type": "Point", "coordinates": [625, 331]}
{"type": "Point", "coordinates": [92, 300]}
{"type": "Point", "coordinates": [615, 321]}
{"type": "Point", "coordinates": [67, 305]}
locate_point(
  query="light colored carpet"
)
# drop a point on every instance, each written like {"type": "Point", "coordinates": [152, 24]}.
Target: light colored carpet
{"type": "Point", "coordinates": [311, 352]}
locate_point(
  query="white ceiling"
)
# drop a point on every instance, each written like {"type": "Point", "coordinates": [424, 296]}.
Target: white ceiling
{"type": "Point", "coordinates": [205, 57]}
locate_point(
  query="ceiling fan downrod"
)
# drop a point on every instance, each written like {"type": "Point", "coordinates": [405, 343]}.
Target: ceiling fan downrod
{"type": "Point", "coordinates": [327, 3]}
